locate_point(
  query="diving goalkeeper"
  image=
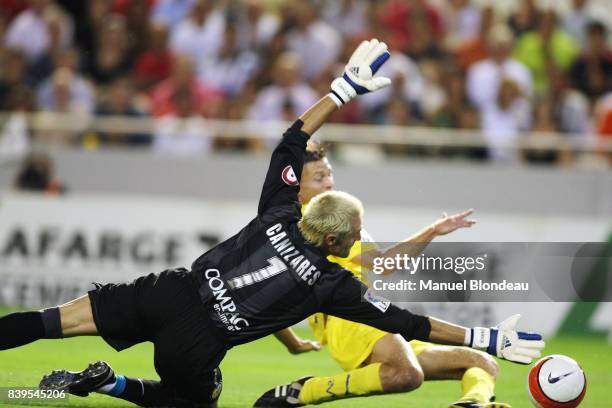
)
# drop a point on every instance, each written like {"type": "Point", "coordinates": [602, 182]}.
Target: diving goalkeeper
{"type": "Point", "coordinates": [270, 275]}
{"type": "Point", "coordinates": [374, 361]}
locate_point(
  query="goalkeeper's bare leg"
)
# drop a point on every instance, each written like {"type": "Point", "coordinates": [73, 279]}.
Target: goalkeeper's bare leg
{"type": "Point", "coordinates": [190, 384]}
{"type": "Point", "coordinates": [71, 319]}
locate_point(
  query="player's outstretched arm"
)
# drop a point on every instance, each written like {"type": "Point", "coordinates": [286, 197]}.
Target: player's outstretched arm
{"type": "Point", "coordinates": [502, 341]}
{"type": "Point", "coordinates": [352, 300]}
{"type": "Point", "coordinates": [417, 243]}
{"type": "Point", "coordinates": [358, 78]}
{"type": "Point", "coordinates": [281, 185]}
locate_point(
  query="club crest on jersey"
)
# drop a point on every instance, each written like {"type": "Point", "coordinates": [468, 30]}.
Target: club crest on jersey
{"type": "Point", "coordinates": [289, 177]}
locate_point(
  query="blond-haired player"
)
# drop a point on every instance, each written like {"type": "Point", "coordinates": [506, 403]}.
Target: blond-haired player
{"type": "Point", "coordinates": [388, 363]}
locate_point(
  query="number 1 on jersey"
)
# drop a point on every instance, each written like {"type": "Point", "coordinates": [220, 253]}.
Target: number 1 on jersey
{"type": "Point", "coordinates": [275, 266]}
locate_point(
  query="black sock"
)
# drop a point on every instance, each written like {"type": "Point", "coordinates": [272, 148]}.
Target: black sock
{"type": "Point", "coordinates": [149, 393]}
{"type": "Point", "coordinates": [52, 323]}
{"type": "Point", "coordinates": [18, 329]}
{"type": "Point", "coordinates": [146, 393]}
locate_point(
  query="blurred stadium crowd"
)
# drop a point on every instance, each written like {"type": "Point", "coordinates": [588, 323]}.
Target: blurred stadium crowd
{"type": "Point", "coordinates": [455, 64]}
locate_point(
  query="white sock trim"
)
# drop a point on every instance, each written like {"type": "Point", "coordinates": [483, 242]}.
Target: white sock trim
{"type": "Point", "coordinates": [105, 389]}
{"type": "Point", "coordinates": [141, 387]}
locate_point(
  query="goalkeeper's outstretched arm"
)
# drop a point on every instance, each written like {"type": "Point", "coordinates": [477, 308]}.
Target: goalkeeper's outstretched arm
{"type": "Point", "coordinates": [352, 300]}
{"type": "Point", "coordinates": [282, 180]}
{"type": "Point", "coordinates": [502, 341]}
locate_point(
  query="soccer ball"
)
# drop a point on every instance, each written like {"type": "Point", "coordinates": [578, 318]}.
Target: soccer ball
{"type": "Point", "coordinates": [556, 381]}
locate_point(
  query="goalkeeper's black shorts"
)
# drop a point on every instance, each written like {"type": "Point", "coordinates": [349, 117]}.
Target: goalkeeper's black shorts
{"type": "Point", "coordinates": [165, 309]}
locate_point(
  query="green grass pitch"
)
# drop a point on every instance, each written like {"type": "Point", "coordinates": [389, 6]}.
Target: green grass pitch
{"type": "Point", "coordinates": [251, 369]}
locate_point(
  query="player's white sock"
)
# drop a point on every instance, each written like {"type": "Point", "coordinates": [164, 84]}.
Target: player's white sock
{"type": "Point", "coordinates": [113, 388]}
{"type": "Point", "coordinates": [105, 389]}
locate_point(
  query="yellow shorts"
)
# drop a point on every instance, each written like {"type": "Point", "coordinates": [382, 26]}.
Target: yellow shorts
{"type": "Point", "coordinates": [350, 343]}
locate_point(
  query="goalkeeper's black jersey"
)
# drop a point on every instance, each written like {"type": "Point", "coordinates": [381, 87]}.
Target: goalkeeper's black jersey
{"type": "Point", "coordinates": [266, 277]}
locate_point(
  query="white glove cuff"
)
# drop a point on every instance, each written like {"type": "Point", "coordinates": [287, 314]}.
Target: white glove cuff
{"type": "Point", "coordinates": [336, 99]}
{"type": "Point", "coordinates": [342, 91]}
{"type": "Point", "coordinates": [480, 338]}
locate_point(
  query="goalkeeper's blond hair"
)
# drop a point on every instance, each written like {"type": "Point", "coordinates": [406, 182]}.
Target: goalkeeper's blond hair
{"type": "Point", "coordinates": [331, 212]}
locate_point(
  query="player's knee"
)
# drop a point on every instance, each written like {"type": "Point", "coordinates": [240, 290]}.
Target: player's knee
{"type": "Point", "coordinates": [402, 378]}
{"type": "Point", "coordinates": [489, 365]}
{"type": "Point", "coordinates": [213, 388]}
{"type": "Point", "coordinates": [483, 361]}
{"type": "Point", "coordinates": [203, 394]}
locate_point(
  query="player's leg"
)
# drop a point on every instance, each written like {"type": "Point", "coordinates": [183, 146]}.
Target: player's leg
{"type": "Point", "coordinates": [188, 348]}
{"type": "Point", "coordinates": [165, 309]}
{"type": "Point", "coordinates": [100, 378]}
{"type": "Point", "coordinates": [391, 367]}
{"type": "Point", "coordinates": [76, 318]}
{"type": "Point", "coordinates": [71, 319]}
{"type": "Point", "coordinates": [476, 371]}
{"type": "Point", "coordinates": [187, 351]}
{"type": "Point", "coordinates": [400, 370]}
{"type": "Point", "coordinates": [375, 362]}
{"type": "Point", "coordinates": [187, 355]}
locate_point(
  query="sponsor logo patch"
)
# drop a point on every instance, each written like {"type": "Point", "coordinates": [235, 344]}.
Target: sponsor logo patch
{"type": "Point", "coordinates": [225, 307]}
{"type": "Point", "coordinates": [377, 301]}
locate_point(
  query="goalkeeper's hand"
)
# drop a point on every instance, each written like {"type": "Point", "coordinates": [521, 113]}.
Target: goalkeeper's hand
{"type": "Point", "coordinates": [505, 342]}
{"type": "Point", "coordinates": [358, 77]}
